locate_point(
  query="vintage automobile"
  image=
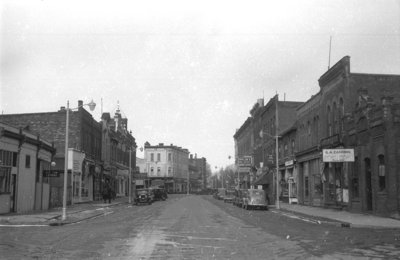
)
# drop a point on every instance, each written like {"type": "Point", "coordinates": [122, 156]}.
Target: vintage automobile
{"type": "Point", "coordinates": [255, 199]}
{"type": "Point", "coordinates": [159, 193]}
{"type": "Point", "coordinates": [229, 195]}
{"type": "Point", "coordinates": [221, 193]}
{"type": "Point", "coordinates": [239, 196]}
{"type": "Point", "coordinates": [143, 196]}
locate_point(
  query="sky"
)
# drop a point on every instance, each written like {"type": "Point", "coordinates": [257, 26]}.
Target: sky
{"type": "Point", "coordinates": [185, 72]}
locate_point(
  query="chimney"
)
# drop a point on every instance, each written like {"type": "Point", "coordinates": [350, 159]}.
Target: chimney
{"type": "Point", "coordinates": [80, 103]}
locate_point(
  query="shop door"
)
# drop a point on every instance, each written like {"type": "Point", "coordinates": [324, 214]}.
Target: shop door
{"type": "Point", "coordinates": [13, 192]}
{"type": "Point", "coordinates": [368, 184]}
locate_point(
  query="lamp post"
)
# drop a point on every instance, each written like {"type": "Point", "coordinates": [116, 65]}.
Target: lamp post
{"type": "Point", "coordinates": [276, 150]}
{"type": "Point", "coordinates": [91, 105]}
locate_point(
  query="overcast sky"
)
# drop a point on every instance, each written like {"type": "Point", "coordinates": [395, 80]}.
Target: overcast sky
{"type": "Point", "coordinates": [185, 72]}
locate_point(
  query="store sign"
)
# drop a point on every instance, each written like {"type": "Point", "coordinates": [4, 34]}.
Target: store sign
{"type": "Point", "coordinates": [338, 155]}
{"type": "Point", "coordinates": [289, 163]}
{"type": "Point", "coordinates": [53, 173]}
{"type": "Point", "coordinates": [245, 161]}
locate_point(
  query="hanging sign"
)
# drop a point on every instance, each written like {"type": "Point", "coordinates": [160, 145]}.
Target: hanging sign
{"type": "Point", "coordinates": [338, 155]}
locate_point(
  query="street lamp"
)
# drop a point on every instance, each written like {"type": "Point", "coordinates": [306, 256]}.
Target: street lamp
{"type": "Point", "coordinates": [91, 105]}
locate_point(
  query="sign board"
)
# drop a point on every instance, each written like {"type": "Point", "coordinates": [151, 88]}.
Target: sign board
{"type": "Point", "coordinates": [338, 155]}
{"type": "Point", "coordinates": [289, 163]}
{"type": "Point", "coordinates": [53, 173]}
{"type": "Point", "coordinates": [244, 169]}
{"type": "Point", "coordinates": [245, 161]}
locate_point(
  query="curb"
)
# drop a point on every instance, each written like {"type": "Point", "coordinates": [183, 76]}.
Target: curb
{"type": "Point", "coordinates": [317, 219]}
{"type": "Point", "coordinates": [63, 223]}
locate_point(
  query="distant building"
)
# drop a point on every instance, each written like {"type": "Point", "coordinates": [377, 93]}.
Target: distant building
{"type": "Point", "coordinates": [167, 165]}
{"type": "Point", "coordinates": [198, 174]}
{"type": "Point", "coordinates": [25, 170]}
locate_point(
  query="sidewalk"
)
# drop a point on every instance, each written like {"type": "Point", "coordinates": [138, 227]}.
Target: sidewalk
{"type": "Point", "coordinates": [75, 213]}
{"type": "Point", "coordinates": [341, 217]}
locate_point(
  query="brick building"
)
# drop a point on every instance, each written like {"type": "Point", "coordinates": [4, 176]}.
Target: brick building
{"type": "Point", "coordinates": [198, 176]}
{"type": "Point", "coordinates": [358, 112]}
{"type": "Point", "coordinates": [118, 153]}
{"type": "Point", "coordinates": [84, 164]}
{"type": "Point", "coordinates": [277, 116]}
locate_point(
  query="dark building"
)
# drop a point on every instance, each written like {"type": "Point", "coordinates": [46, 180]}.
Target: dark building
{"type": "Point", "coordinates": [354, 112]}
{"type": "Point", "coordinates": [118, 153]}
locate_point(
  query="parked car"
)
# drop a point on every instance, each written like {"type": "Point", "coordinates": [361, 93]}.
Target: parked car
{"type": "Point", "coordinates": [143, 196]}
{"type": "Point", "coordinates": [229, 196]}
{"type": "Point", "coordinates": [239, 196]}
{"type": "Point", "coordinates": [159, 193]}
{"type": "Point", "coordinates": [221, 193]}
{"type": "Point", "coordinates": [255, 199]}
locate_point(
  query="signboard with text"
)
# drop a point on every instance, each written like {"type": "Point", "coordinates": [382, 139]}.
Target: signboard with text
{"type": "Point", "coordinates": [338, 155]}
{"type": "Point", "coordinates": [245, 161]}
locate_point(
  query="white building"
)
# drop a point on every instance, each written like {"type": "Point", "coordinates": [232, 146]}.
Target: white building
{"type": "Point", "coordinates": [166, 165]}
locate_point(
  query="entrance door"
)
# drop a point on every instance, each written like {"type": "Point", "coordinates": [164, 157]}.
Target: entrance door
{"type": "Point", "coordinates": [13, 201]}
{"type": "Point", "coordinates": [368, 184]}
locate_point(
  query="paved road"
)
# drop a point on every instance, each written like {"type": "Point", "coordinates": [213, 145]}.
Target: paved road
{"type": "Point", "coordinates": [197, 227]}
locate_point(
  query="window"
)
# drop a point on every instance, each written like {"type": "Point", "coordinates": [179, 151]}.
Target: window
{"type": "Point", "coordinates": [152, 170]}
{"type": "Point", "coordinates": [152, 157]}
{"type": "Point", "coordinates": [158, 171]}
{"type": "Point", "coordinates": [169, 157]}
{"type": "Point", "coordinates": [293, 148]}
{"type": "Point", "coordinates": [329, 121]}
{"type": "Point", "coordinates": [5, 177]}
{"type": "Point", "coordinates": [354, 180]}
{"type": "Point", "coordinates": [381, 172]}
{"type": "Point", "coordinates": [169, 171]}
{"type": "Point", "coordinates": [158, 157]}
{"type": "Point", "coordinates": [27, 161]}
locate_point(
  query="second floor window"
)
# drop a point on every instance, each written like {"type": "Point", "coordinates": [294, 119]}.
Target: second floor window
{"type": "Point", "coordinates": [158, 157]}
{"type": "Point", "coordinates": [28, 161]}
{"type": "Point", "coordinates": [381, 173]}
{"type": "Point", "coordinates": [152, 157]}
{"type": "Point", "coordinates": [169, 157]}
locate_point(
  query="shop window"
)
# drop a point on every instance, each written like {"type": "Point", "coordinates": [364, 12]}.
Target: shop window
{"type": "Point", "coordinates": [318, 185]}
{"type": "Point", "coordinates": [381, 172]}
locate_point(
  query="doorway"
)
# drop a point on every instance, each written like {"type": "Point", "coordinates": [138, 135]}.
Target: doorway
{"type": "Point", "coordinates": [368, 184]}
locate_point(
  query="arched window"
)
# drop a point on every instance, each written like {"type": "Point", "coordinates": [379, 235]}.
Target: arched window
{"type": "Point", "coordinates": [335, 118]}
{"type": "Point", "coordinates": [381, 172]}
{"type": "Point", "coordinates": [328, 116]}
{"type": "Point", "coordinates": [341, 114]}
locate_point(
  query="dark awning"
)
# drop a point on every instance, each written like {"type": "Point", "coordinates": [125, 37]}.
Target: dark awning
{"type": "Point", "coordinates": [263, 179]}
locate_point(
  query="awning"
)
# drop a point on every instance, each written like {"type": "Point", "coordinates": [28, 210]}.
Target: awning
{"type": "Point", "coordinates": [263, 179]}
